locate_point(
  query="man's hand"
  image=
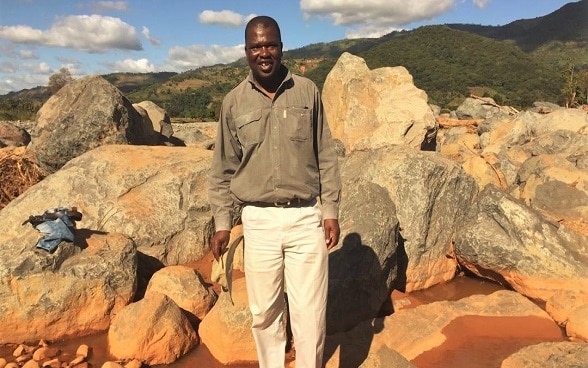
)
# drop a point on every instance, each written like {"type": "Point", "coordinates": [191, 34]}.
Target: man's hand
{"type": "Point", "coordinates": [219, 243]}
{"type": "Point", "coordinates": [331, 227]}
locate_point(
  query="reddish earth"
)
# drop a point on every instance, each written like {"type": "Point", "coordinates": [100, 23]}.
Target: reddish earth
{"type": "Point", "coordinates": [472, 342]}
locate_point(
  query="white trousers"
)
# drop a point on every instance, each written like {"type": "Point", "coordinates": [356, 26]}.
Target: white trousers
{"type": "Point", "coordinates": [286, 246]}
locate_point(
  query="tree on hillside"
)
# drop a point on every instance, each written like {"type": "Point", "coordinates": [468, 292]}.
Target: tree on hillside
{"type": "Point", "coordinates": [59, 79]}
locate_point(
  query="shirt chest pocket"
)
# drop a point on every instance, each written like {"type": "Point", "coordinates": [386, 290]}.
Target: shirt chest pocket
{"type": "Point", "coordinates": [250, 128]}
{"type": "Point", "coordinates": [297, 123]}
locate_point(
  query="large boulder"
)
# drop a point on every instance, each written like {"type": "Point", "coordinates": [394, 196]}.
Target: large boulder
{"type": "Point", "coordinates": [72, 292]}
{"type": "Point", "coordinates": [363, 268]}
{"type": "Point", "coordinates": [157, 196]}
{"type": "Point", "coordinates": [373, 108]}
{"type": "Point", "coordinates": [504, 240]}
{"type": "Point", "coordinates": [430, 194]}
{"type": "Point", "coordinates": [86, 113]}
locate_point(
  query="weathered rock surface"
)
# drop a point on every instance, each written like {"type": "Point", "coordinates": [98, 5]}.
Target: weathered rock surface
{"type": "Point", "coordinates": [72, 292]}
{"type": "Point", "coordinates": [186, 287]}
{"type": "Point", "coordinates": [549, 354]}
{"type": "Point", "coordinates": [368, 109]}
{"type": "Point", "coordinates": [510, 243]}
{"type": "Point", "coordinates": [364, 267]}
{"type": "Point", "coordinates": [430, 194]}
{"type": "Point", "coordinates": [157, 196]}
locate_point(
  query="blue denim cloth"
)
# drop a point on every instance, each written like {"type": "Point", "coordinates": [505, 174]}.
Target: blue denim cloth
{"type": "Point", "coordinates": [55, 232]}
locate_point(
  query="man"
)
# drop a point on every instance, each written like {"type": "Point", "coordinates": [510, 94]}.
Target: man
{"type": "Point", "coordinates": [274, 156]}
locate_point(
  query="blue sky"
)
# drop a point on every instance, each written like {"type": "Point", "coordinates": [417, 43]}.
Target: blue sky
{"type": "Point", "coordinates": [38, 37]}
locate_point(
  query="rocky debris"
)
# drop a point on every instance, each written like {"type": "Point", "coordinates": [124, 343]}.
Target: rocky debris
{"type": "Point", "coordinates": [368, 109]}
{"type": "Point", "coordinates": [44, 355]}
{"type": "Point", "coordinates": [481, 108]}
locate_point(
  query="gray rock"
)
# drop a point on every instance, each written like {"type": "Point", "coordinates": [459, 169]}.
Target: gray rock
{"type": "Point", "coordinates": [86, 113]}
{"type": "Point", "coordinates": [504, 240]}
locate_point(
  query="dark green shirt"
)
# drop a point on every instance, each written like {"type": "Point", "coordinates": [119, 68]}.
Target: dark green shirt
{"type": "Point", "coordinates": [273, 151]}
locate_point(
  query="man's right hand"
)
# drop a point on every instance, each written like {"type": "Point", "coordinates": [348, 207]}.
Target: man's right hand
{"type": "Point", "coordinates": [219, 243]}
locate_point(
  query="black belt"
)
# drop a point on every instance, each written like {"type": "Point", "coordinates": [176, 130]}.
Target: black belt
{"type": "Point", "coordinates": [293, 203]}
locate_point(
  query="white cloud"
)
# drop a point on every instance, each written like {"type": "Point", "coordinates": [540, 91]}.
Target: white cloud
{"type": "Point", "coordinates": [91, 33]}
{"type": "Point", "coordinates": [38, 68]}
{"type": "Point", "coordinates": [27, 54]}
{"type": "Point", "coordinates": [133, 66]}
{"type": "Point", "coordinates": [369, 15]}
{"type": "Point", "coordinates": [227, 18]}
{"type": "Point", "coordinates": [104, 6]}
{"type": "Point", "coordinates": [154, 41]}
{"type": "Point", "coordinates": [368, 32]}
{"type": "Point", "coordinates": [195, 56]}
{"type": "Point", "coordinates": [481, 3]}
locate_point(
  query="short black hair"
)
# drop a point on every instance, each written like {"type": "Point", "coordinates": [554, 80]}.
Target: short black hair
{"type": "Point", "coordinates": [263, 21]}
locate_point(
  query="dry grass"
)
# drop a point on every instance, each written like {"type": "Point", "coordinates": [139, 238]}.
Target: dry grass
{"type": "Point", "coordinates": [19, 171]}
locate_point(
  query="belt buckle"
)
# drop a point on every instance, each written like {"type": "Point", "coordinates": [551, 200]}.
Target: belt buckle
{"type": "Point", "coordinates": [282, 205]}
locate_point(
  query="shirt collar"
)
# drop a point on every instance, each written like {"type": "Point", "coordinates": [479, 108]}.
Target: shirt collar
{"type": "Point", "coordinates": [286, 83]}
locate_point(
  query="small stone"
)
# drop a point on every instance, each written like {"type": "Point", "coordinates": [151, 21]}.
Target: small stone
{"type": "Point", "coordinates": [3, 363]}
{"type": "Point", "coordinates": [23, 358]}
{"type": "Point", "coordinates": [135, 363]}
{"type": "Point", "coordinates": [81, 365]}
{"type": "Point", "coordinates": [53, 363]}
{"type": "Point", "coordinates": [77, 360]}
{"type": "Point", "coordinates": [112, 365]}
{"type": "Point", "coordinates": [83, 350]}
{"type": "Point", "coordinates": [20, 349]}
{"type": "Point", "coordinates": [31, 364]}
{"type": "Point", "coordinates": [45, 353]}
{"type": "Point", "coordinates": [12, 365]}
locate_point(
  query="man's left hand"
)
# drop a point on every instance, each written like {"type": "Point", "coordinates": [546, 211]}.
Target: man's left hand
{"type": "Point", "coordinates": [331, 227]}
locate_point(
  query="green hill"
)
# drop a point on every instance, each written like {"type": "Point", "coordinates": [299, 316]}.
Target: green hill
{"type": "Point", "coordinates": [449, 63]}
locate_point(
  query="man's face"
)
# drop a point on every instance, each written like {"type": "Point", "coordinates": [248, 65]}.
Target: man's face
{"type": "Point", "coordinates": [263, 48]}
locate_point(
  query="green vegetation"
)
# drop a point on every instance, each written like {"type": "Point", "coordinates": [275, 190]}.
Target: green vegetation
{"type": "Point", "coordinates": [447, 63]}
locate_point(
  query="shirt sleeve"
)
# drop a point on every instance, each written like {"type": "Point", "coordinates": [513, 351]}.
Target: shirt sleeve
{"type": "Point", "coordinates": [225, 161]}
{"type": "Point", "coordinates": [330, 179]}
